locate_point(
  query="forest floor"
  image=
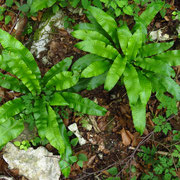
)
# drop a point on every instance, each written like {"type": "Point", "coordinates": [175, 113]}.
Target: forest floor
{"type": "Point", "coordinates": [113, 141]}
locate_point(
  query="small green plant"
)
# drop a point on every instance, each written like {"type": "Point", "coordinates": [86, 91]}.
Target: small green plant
{"type": "Point", "coordinates": [24, 145]}
{"type": "Point", "coordinates": [167, 103]}
{"type": "Point", "coordinates": [79, 159]}
{"type": "Point", "coordinates": [68, 22]}
{"type": "Point", "coordinates": [161, 125]}
{"type": "Point", "coordinates": [113, 171]}
{"type": "Point", "coordinates": [38, 141]}
{"type": "Point", "coordinates": [116, 52]}
{"type": "Point", "coordinates": [119, 7]}
{"type": "Point", "coordinates": [176, 14]}
{"type": "Point", "coordinates": [148, 154]}
{"type": "Point", "coordinates": [85, 3]}
{"type": "Point", "coordinates": [39, 96]}
{"type": "Point", "coordinates": [163, 166]}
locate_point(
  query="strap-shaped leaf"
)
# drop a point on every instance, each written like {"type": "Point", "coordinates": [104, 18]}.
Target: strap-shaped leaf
{"type": "Point", "coordinates": [89, 35]}
{"type": "Point", "coordinates": [145, 88]}
{"type": "Point", "coordinates": [155, 48]}
{"type": "Point", "coordinates": [18, 67]}
{"type": "Point", "coordinates": [39, 5]}
{"type": "Point", "coordinates": [96, 68]}
{"type": "Point", "coordinates": [171, 86]}
{"type": "Point", "coordinates": [41, 116]}
{"type": "Point", "coordinates": [9, 82]}
{"type": "Point", "coordinates": [63, 80]}
{"type": "Point", "coordinates": [134, 43]}
{"type": "Point", "coordinates": [65, 168]}
{"type": "Point", "coordinates": [170, 57]}
{"type": "Point", "coordinates": [99, 48]}
{"type": "Point", "coordinates": [96, 81]}
{"type": "Point", "coordinates": [53, 132]}
{"type": "Point", "coordinates": [59, 67]}
{"type": "Point", "coordinates": [148, 15]}
{"type": "Point", "coordinates": [10, 129]}
{"type": "Point", "coordinates": [132, 84]}
{"type": "Point", "coordinates": [115, 72]}
{"type": "Point", "coordinates": [156, 66]}
{"type": "Point", "coordinates": [58, 100]}
{"type": "Point", "coordinates": [96, 26]}
{"type": "Point", "coordinates": [85, 26]}
{"type": "Point", "coordinates": [106, 21]}
{"type": "Point", "coordinates": [139, 116]}
{"type": "Point", "coordinates": [85, 61]}
{"type": "Point", "coordinates": [81, 85]}
{"type": "Point", "coordinates": [124, 35]}
{"type": "Point", "coordinates": [155, 82]}
{"type": "Point", "coordinates": [11, 108]}
{"type": "Point", "coordinates": [10, 43]}
{"type": "Point", "coordinates": [83, 105]}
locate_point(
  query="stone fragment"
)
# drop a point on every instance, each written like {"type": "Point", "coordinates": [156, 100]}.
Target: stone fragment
{"type": "Point", "coordinates": [73, 127]}
{"type": "Point", "coordinates": [159, 36]}
{"type": "Point", "coordinates": [34, 164]}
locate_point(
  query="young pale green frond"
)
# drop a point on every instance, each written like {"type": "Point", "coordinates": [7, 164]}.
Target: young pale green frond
{"type": "Point", "coordinates": [41, 115]}
{"type": "Point", "coordinates": [9, 82]}
{"type": "Point", "coordinates": [115, 72]}
{"type": "Point", "coordinates": [39, 5]}
{"type": "Point", "coordinates": [89, 35]}
{"type": "Point", "coordinates": [62, 80]}
{"type": "Point", "coordinates": [58, 100]}
{"type": "Point", "coordinates": [155, 48]}
{"type": "Point", "coordinates": [139, 116]}
{"type": "Point", "coordinates": [99, 48]}
{"type": "Point", "coordinates": [96, 81]}
{"type": "Point", "coordinates": [53, 132]}
{"type": "Point", "coordinates": [124, 35]}
{"type": "Point", "coordinates": [170, 57]}
{"type": "Point", "coordinates": [156, 66]}
{"type": "Point", "coordinates": [106, 21]}
{"type": "Point", "coordinates": [59, 67]}
{"type": "Point", "coordinates": [18, 67]}
{"type": "Point", "coordinates": [132, 84]}
{"type": "Point", "coordinates": [85, 61]}
{"type": "Point", "coordinates": [96, 68]}
{"type": "Point", "coordinates": [11, 108]}
{"type": "Point", "coordinates": [146, 88]}
{"type": "Point", "coordinates": [10, 129]}
{"type": "Point", "coordinates": [83, 105]}
{"type": "Point", "coordinates": [11, 44]}
{"type": "Point", "coordinates": [134, 44]}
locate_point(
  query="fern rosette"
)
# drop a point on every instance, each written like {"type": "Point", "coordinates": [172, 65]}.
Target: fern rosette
{"type": "Point", "coordinates": [39, 96]}
{"type": "Point", "coordinates": [118, 52]}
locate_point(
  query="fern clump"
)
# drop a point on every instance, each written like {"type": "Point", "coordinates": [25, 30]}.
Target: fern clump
{"type": "Point", "coordinates": [39, 96]}
{"type": "Point", "coordinates": [118, 52]}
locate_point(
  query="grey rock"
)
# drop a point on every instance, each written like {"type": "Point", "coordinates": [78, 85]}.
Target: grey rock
{"type": "Point", "coordinates": [159, 36]}
{"type": "Point", "coordinates": [34, 164]}
{"type": "Point", "coordinates": [44, 31]}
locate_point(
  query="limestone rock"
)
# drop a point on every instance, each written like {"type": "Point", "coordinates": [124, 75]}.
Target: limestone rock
{"type": "Point", "coordinates": [73, 127]}
{"type": "Point", "coordinates": [34, 164]}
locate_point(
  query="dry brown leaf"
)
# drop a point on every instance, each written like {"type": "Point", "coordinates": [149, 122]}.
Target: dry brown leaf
{"type": "Point", "coordinates": [130, 134]}
{"type": "Point", "coordinates": [125, 137]}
